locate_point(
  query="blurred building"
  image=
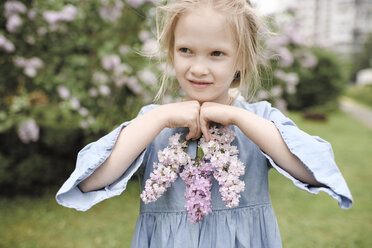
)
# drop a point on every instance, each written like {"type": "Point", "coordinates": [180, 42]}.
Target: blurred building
{"type": "Point", "coordinates": [342, 25]}
{"type": "Point", "coordinates": [363, 22]}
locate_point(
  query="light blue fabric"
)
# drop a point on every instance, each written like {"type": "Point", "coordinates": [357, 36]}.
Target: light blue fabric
{"type": "Point", "coordinates": [164, 223]}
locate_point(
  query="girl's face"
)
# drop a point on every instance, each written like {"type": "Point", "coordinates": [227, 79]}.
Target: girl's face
{"type": "Point", "coordinates": [204, 55]}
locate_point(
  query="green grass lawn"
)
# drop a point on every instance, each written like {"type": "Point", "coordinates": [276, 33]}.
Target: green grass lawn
{"type": "Point", "coordinates": [305, 220]}
{"type": "Point", "coordinates": [360, 94]}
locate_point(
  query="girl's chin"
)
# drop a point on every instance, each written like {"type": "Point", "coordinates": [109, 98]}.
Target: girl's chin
{"type": "Point", "coordinates": [201, 100]}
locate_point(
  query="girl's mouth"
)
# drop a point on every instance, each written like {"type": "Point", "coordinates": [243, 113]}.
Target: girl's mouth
{"type": "Point", "coordinates": [200, 84]}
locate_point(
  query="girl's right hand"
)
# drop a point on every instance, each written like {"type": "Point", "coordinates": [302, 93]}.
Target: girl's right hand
{"type": "Point", "coordinates": [182, 114]}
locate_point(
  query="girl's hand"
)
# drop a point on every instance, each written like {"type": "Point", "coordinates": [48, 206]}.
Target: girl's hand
{"type": "Point", "coordinates": [215, 112]}
{"type": "Point", "coordinates": [182, 114]}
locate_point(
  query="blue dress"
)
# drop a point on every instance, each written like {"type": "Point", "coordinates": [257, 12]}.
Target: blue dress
{"type": "Point", "coordinates": [164, 223]}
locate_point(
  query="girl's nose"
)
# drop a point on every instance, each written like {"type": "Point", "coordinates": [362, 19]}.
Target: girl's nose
{"type": "Point", "coordinates": [198, 69]}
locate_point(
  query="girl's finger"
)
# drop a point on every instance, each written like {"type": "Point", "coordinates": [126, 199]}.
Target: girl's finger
{"type": "Point", "coordinates": [204, 127]}
{"type": "Point", "coordinates": [194, 133]}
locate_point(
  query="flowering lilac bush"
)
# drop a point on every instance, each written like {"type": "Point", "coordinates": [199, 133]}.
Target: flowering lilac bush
{"type": "Point", "coordinates": [302, 77]}
{"type": "Point", "coordinates": [70, 71]}
{"type": "Point", "coordinates": [216, 157]}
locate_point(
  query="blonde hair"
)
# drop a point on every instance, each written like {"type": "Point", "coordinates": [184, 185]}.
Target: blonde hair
{"type": "Point", "coordinates": [245, 25]}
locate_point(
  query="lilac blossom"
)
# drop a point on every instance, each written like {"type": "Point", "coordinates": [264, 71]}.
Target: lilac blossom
{"type": "Point", "coordinates": [133, 85]}
{"type": "Point", "coordinates": [63, 92]}
{"type": "Point", "coordinates": [307, 59]}
{"type": "Point", "coordinates": [67, 14]}
{"type": "Point", "coordinates": [124, 49]}
{"type": "Point", "coordinates": [104, 90]}
{"type": "Point", "coordinates": [216, 157]}
{"type": "Point", "coordinates": [151, 48]}
{"type": "Point", "coordinates": [281, 104]}
{"type": "Point", "coordinates": [6, 44]}
{"type": "Point", "coordinates": [227, 166]}
{"type": "Point", "coordinates": [291, 79]}
{"type": "Point", "coordinates": [30, 66]}
{"type": "Point", "coordinates": [285, 57]}
{"type": "Point", "coordinates": [262, 94]}
{"type": "Point", "coordinates": [31, 14]}
{"type": "Point", "coordinates": [165, 171]}
{"type": "Point", "coordinates": [136, 3]}
{"type": "Point", "coordinates": [75, 103]}
{"type": "Point", "coordinates": [99, 77]}
{"type": "Point", "coordinates": [291, 30]}
{"type": "Point", "coordinates": [14, 8]}
{"type": "Point", "coordinates": [28, 131]}
{"type": "Point", "coordinates": [110, 62]}
{"type": "Point", "coordinates": [276, 91]}
{"type": "Point", "coordinates": [144, 35]}
{"type": "Point", "coordinates": [83, 111]}
{"type": "Point", "coordinates": [111, 11]}
{"type": "Point", "coordinates": [198, 180]}
{"type": "Point", "coordinates": [93, 92]}
{"type": "Point", "coordinates": [147, 76]}
{"type": "Point", "coordinates": [277, 42]}
{"type": "Point", "coordinates": [14, 21]}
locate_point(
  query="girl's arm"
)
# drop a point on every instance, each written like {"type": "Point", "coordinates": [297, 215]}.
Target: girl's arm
{"type": "Point", "coordinates": [261, 131]}
{"type": "Point", "coordinates": [134, 138]}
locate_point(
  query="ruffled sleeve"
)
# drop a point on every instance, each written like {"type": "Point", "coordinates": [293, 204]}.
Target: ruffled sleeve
{"type": "Point", "coordinates": [317, 156]}
{"type": "Point", "coordinates": [88, 160]}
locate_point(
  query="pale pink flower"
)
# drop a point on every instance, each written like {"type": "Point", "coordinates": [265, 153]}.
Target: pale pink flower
{"type": "Point", "coordinates": [104, 90]}
{"type": "Point", "coordinates": [111, 10]}
{"type": "Point", "coordinates": [134, 85]}
{"type": "Point", "coordinates": [151, 48]}
{"type": "Point", "coordinates": [285, 57]}
{"type": "Point", "coordinates": [29, 131]}
{"type": "Point", "coordinates": [6, 44]}
{"type": "Point", "coordinates": [110, 62]}
{"type": "Point", "coordinates": [147, 76]}
{"type": "Point", "coordinates": [75, 103]}
{"type": "Point", "coordinates": [136, 3]}
{"type": "Point", "coordinates": [31, 14]}
{"type": "Point", "coordinates": [14, 21]}
{"type": "Point", "coordinates": [100, 77]}
{"type": "Point", "coordinates": [30, 66]}
{"type": "Point", "coordinates": [14, 8]}
{"type": "Point", "coordinates": [83, 111]}
{"type": "Point", "coordinates": [67, 14]}
{"type": "Point", "coordinates": [63, 92]}
{"type": "Point", "coordinates": [93, 92]}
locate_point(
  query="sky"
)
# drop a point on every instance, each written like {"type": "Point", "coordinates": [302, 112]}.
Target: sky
{"type": "Point", "coordinates": [270, 6]}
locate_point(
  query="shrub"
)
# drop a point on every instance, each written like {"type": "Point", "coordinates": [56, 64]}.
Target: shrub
{"type": "Point", "coordinates": [70, 71]}
{"type": "Point", "coordinates": [320, 85]}
{"type": "Point", "coordinates": [303, 77]}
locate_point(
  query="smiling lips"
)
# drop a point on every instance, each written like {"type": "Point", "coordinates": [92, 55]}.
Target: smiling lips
{"type": "Point", "coordinates": [200, 85]}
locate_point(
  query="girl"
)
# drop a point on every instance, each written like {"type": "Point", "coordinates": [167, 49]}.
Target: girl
{"type": "Point", "coordinates": [212, 46]}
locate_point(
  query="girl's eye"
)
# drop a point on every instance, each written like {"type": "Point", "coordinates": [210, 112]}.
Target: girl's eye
{"type": "Point", "coordinates": [217, 53]}
{"type": "Point", "coordinates": [184, 50]}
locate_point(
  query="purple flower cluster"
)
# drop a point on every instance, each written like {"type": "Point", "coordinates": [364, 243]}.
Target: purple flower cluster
{"type": "Point", "coordinates": [227, 166]}
{"type": "Point", "coordinates": [198, 180]}
{"type": "Point", "coordinates": [216, 157]}
{"type": "Point", "coordinates": [170, 161]}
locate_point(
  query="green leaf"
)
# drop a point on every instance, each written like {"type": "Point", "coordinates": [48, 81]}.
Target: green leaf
{"type": "Point", "coordinates": [200, 153]}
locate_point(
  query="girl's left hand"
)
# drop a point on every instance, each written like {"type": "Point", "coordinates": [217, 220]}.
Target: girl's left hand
{"type": "Point", "coordinates": [215, 112]}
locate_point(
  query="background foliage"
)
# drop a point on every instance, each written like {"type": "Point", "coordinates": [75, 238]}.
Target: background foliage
{"type": "Point", "coordinates": [71, 71]}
